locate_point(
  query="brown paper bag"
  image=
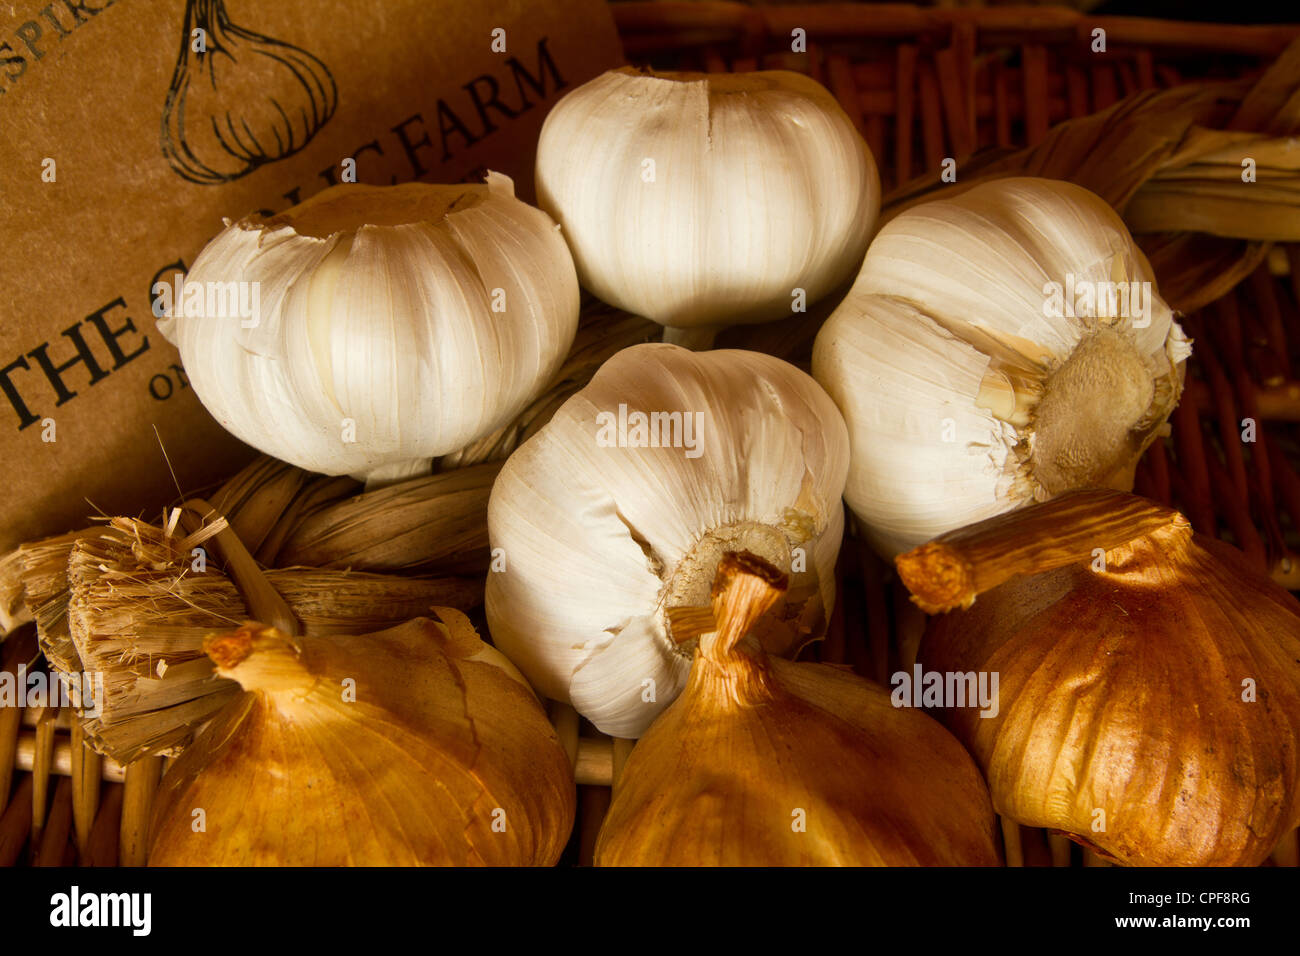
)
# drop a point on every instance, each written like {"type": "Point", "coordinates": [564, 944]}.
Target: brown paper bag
{"type": "Point", "coordinates": [131, 128]}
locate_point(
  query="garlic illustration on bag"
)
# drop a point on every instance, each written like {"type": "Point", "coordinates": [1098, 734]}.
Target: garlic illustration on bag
{"type": "Point", "coordinates": [239, 100]}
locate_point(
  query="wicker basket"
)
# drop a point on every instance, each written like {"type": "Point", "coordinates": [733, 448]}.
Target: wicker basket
{"type": "Point", "coordinates": [921, 84]}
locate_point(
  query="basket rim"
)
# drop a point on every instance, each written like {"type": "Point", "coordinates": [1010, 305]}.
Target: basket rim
{"type": "Point", "coordinates": [679, 22]}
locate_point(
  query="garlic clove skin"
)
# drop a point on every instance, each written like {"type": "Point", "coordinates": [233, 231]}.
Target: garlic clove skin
{"type": "Point", "coordinates": [436, 753]}
{"type": "Point", "coordinates": [761, 762]}
{"type": "Point", "coordinates": [877, 785]}
{"type": "Point", "coordinates": [598, 544]}
{"type": "Point", "coordinates": [699, 199]}
{"type": "Point", "coordinates": [899, 378]}
{"type": "Point", "coordinates": [1150, 707]}
{"type": "Point", "coordinates": [379, 340]}
{"type": "Point", "coordinates": [963, 398]}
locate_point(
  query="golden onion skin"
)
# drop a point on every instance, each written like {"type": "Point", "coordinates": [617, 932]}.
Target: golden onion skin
{"type": "Point", "coordinates": [444, 758]}
{"type": "Point", "coordinates": [1122, 718]}
{"type": "Point", "coordinates": [722, 775]}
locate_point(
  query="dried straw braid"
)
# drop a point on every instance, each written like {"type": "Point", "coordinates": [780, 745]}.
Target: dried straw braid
{"type": "Point", "coordinates": [1170, 162]}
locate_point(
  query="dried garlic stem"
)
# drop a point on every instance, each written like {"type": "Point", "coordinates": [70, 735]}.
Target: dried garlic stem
{"type": "Point", "coordinates": [951, 570]}
{"type": "Point", "coordinates": [746, 586]}
{"type": "Point", "coordinates": [686, 623]}
{"type": "Point", "coordinates": [264, 602]}
{"type": "Point", "coordinates": [260, 658]}
{"type": "Point", "coordinates": [696, 338]}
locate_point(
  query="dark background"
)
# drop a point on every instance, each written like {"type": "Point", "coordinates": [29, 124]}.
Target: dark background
{"type": "Point", "coordinates": [1213, 11]}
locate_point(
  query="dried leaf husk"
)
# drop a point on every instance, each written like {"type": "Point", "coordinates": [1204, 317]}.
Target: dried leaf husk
{"type": "Point", "coordinates": [763, 762]}
{"type": "Point", "coordinates": [139, 613]}
{"type": "Point", "coordinates": [287, 517]}
{"type": "Point", "coordinates": [34, 586]}
{"type": "Point", "coordinates": [256, 502]}
{"type": "Point", "coordinates": [14, 612]}
{"type": "Point", "coordinates": [265, 501]}
{"type": "Point", "coordinates": [1150, 705]}
{"type": "Point", "coordinates": [438, 522]}
{"type": "Point", "coordinates": [442, 756]}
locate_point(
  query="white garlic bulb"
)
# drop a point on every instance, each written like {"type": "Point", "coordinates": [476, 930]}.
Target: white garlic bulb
{"type": "Point", "coordinates": [997, 348]}
{"type": "Point", "coordinates": [372, 328]}
{"type": "Point", "coordinates": [608, 525]}
{"type": "Point", "coordinates": [699, 199]}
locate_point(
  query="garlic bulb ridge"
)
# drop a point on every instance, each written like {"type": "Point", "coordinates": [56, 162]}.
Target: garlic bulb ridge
{"type": "Point", "coordinates": [371, 329]}
{"type": "Point", "coordinates": [608, 525]}
{"type": "Point", "coordinates": [700, 199]}
{"type": "Point", "coordinates": [996, 349]}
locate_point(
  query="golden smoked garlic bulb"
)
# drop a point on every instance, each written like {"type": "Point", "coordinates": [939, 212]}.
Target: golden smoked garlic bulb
{"type": "Point", "coordinates": [997, 348]}
{"type": "Point", "coordinates": [761, 762]}
{"type": "Point", "coordinates": [702, 199]}
{"type": "Point", "coordinates": [1149, 678]}
{"type": "Point", "coordinates": [372, 328]}
{"type": "Point", "coordinates": [419, 745]}
{"type": "Point", "coordinates": [607, 526]}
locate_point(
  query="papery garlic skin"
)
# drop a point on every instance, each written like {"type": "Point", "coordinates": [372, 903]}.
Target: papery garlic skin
{"type": "Point", "coordinates": [419, 745]}
{"type": "Point", "coordinates": [761, 762]}
{"type": "Point", "coordinates": [1150, 694]}
{"type": "Point", "coordinates": [594, 545]}
{"type": "Point", "coordinates": [699, 199]}
{"type": "Point", "coordinates": [964, 399]}
{"type": "Point", "coordinates": [868, 783]}
{"type": "Point", "coordinates": [395, 324]}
